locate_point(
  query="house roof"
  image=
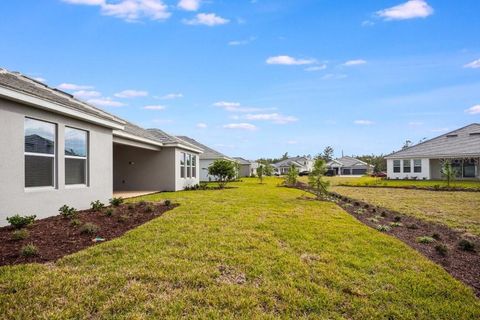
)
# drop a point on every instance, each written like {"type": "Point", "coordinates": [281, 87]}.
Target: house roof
{"type": "Point", "coordinates": [24, 85]}
{"type": "Point", "coordinates": [463, 142]}
{"type": "Point", "coordinates": [348, 162]}
{"type": "Point", "coordinates": [208, 153]}
{"type": "Point", "coordinates": [296, 161]}
{"type": "Point", "coordinates": [242, 161]}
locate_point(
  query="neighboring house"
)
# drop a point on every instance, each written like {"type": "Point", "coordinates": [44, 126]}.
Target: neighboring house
{"type": "Point", "coordinates": [348, 166]}
{"type": "Point", "coordinates": [58, 150]}
{"type": "Point", "coordinates": [303, 164]}
{"type": "Point", "coordinates": [424, 160]}
{"type": "Point", "coordinates": [208, 156]}
{"type": "Point", "coordinates": [247, 168]}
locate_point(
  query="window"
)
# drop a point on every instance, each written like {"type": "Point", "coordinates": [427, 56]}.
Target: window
{"type": "Point", "coordinates": [40, 139]}
{"type": "Point", "coordinates": [469, 168]}
{"type": "Point", "coordinates": [76, 156]}
{"type": "Point", "coordinates": [407, 166]}
{"type": "Point", "coordinates": [182, 164]}
{"type": "Point", "coordinates": [194, 166]}
{"type": "Point", "coordinates": [189, 165]}
{"type": "Point", "coordinates": [396, 166]}
{"type": "Point", "coordinates": [417, 166]}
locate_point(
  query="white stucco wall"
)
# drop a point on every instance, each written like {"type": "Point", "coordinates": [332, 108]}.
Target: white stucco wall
{"type": "Point", "coordinates": [425, 174]}
{"type": "Point", "coordinates": [181, 183]}
{"type": "Point", "coordinates": [204, 176]}
{"type": "Point", "coordinates": [14, 198]}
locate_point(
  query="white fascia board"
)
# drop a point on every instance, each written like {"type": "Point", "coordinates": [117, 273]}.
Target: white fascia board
{"type": "Point", "coordinates": [129, 136]}
{"type": "Point", "coordinates": [57, 108]}
{"type": "Point", "coordinates": [438, 156]}
{"type": "Point", "coordinates": [182, 146]}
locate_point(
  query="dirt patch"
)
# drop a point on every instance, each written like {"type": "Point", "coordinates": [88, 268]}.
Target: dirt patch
{"type": "Point", "coordinates": [229, 275]}
{"type": "Point", "coordinates": [56, 236]}
{"type": "Point", "coordinates": [443, 242]}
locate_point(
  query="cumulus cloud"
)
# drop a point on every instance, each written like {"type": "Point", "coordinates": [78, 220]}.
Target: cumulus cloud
{"type": "Point", "coordinates": [86, 94]}
{"type": "Point", "coordinates": [363, 122]}
{"type": "Point", "coordinates": [105, 102]}
{"type": "Point", "coordinates": [71, 86]}
{"type": "Point", "coordinates": [241, 42]}
{"type": "Point", "coordinates": [237, 107]}
{"type": "Point", "coordinates": [131, 94]}
{"type": "Point", "coordinates": [207, 19]}
{"type": "Point", "coordinates": [129, 10]}
{"type": "Point", "coordinates": [154, 107]}
{"type": "Point", "coordinates": [474, 64]}
{"type": "Point", "coordinates": [170, 96]}
{"type": "Point", "coordinates": [201, 125]}
{"type": "Point", "coordinates": [409, 10]}
{"type": "Point", "coordinates": [189, 5]}
{"type": "Point", "coordinates": [273, 117]}
{"type": "Point", "coordinates": [316, 68]}
{"type": "Point", "coordinates": [240, 126]}
{"type": "Point", "coordinates": [473, 110]}
{"type": "Point", "coordinates": [355, 62]}
{"type": "Point", "coordinates": [289, 61]}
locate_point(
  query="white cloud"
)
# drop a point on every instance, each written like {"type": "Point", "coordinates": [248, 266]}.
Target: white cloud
{"type": "Point", "coordinates": [473, 110]}
{"type": "Point", "coordinates": [129, 10]}
{"type": "Point", "coordinates": [237, 107]}
{"type": "Point", "coordinates": [189, 5]}
{"type": "Point", "coordinates": [154, 107]}
{"type": "Point", "coordinates": [367, 23]}
{"type": "Point", "coordinates": [316, 68]}
{"type": "Point", "coordinates": [131, 93]}
{"type": "Point", "coordinates": [170, 96]}
{"type": "Point", "coordinates": [241, 42]}
{"type": "Point", "coordinates": [274, 117]}
{"type": "Point", "coordinates": [201, 125]}
{"type": "Point", "coordinates": [207, 19]}
{"type": "Point", "coordinates": [363, 122]}
{"type": "Point", "coordinates": [356, 62]}
{"type": "Point", "coordinates": [409, 10]}
{"type": "Point", "coordinates": [105, 102]}
{"type": "Point", "coordinates": [85, 94]}
{"type": "Point", "coordinates": [240, 126]}
{"type": "Point", "coordinates": [289, 61]}
{"type": "Point", "coordinates": [71, 86]}
{"type": "Point", "coordinates": [474, 64]}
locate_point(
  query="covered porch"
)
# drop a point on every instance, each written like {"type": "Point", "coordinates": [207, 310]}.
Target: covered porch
{"type": "Point", "coordinates": [465, 168]}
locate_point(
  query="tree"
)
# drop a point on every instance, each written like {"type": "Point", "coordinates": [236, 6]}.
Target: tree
{"type": "Point", "coordinates": [223, 170]}
{"type": "Point", "coordinates": [448, 172]}
{"type": "Point", "coordinates": [260, 172]}
{"type": "Point", "coordinates": [327, 154]}
{"type": "Point", "coordinates": [315, 178]}
{"type": "Point", "coordinates": [285, 156]}
{"type": "Point", "coordinates": [292, 176]}
{"type": "Point", "coordinates": [268, 170]}
{"type": "Point", "coordinates": [407, 144]}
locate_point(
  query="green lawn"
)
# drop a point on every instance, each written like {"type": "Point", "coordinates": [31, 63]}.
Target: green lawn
{"type": "Point", "coordinates": [256, 251]}
{"type": "Point", "coordinates": [459, 210]}
{"type": "Point", "coordinates": [376, 182]}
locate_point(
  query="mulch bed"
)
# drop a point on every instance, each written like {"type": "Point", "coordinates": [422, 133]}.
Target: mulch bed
{"type": "Point", "coordinates": [441, 188]}
{"type": "Point", "coordinates": [463, 265]}
{"type": "Point", "coordinates": [57, 236]}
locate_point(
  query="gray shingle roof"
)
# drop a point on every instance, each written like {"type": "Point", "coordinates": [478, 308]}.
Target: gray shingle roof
{"type": "Point", "coordinates": [349, 162]}
{"type": "Point", "coordinates": [240, 160]}
{"type": "Point", "coordinates": [463, 142]}
{"type": "Point", "coordinates": [21, 83]}
{"type": "Point", "coordinates": [297, 161]}
{"type": "Point", "coordinates": [208, 153]}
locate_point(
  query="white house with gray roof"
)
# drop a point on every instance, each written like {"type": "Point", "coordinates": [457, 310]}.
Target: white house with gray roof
{"type": "Point", "coordinates": [303, 164]}
{"type": "Point", "coordinates": [424, 160]}
{"type": "Point", "coordinates": [348, 166]}
{"type": "Point", "coordinates": [247, 168]}
{"type": "Point", "coordinates": [59, 150]}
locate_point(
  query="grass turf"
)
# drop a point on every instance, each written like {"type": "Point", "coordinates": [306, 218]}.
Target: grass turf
{"type": "Point", "coordinates": [459, 210]}
{"type": "Point", "coordinates": [256, 251]}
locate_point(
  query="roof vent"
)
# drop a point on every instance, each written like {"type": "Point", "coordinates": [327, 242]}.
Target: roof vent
{"type": "Point", "coordinates": [475, 134]}
{"type": "Point", "coordinates": [452, 135]}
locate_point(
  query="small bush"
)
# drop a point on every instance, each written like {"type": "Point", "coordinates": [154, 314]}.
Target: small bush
{"type": "Point", "coordinates": [109, 212]}
{"type": "Point", "coordinates": [116, 201]}
{"type": "Point", "coordinates": [373, 220]}
{"type": "Point", "coordinates": [18, 221]}
{"type": "Point", "coordinates": [97, 205]}
{"type": "Point", "coordinates": [397, 218]}
{"type": "Point", "coordinates": [122, 218]}
{"type": "Point", "coordinates": [149, 208]}
{"type": "Point", "coordinates": [356, 203]}
{"type": "Point", "coordinates": [366, 206]}
{"type": "Point", "coordinates": [20, 234]}
{"type": "Point", "coordinates": [412, 226]}
{"type": "Point", "coordinates": [383, 228]}
{"type": "Point", "coordinates": [142, 203]}
{"type": "Point", "coordinates": [425, 240]}
{"type": "Point", "coordinates": [360, 211]}
{"type": "Point", "coordinates": [68, 212]}
{"type": "Point", "coordinates": [167, 203]}
{"type": "Point", "coordinates": [466, 245]}
{"type": "Point", "coordinates": [383, 214]}
{"type": "Point", "coordinates": [441, 249]}
{"type": "Point", "coordinates": [75, 222]}
{"type": "Point", "coordinates": [436, 236]}
{"type": "Point", "coordinates": [396, 224]}
{"type": "Point", "coordinates": [131, 206]}
{"type": "Point", "coordinates": [29, 250]}
{"type": "Point", "coordinates": [89, 228]}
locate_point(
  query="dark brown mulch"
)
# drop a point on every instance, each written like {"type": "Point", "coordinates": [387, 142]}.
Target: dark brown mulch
{"type": "Point", "coordinates": [57, 236]}
{"type": "Point", "coordinates": [463, 265]}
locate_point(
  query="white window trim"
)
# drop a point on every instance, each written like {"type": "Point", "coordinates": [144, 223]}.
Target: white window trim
{"type": "Point", "coordinates": [414, 166]}
{"type": "Point", "coordinates": [86, 157]}
{"type": "Point", "coordinates": [183, 157]}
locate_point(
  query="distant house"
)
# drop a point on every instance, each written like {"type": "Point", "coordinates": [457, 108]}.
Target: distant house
{"type": "Point", "coordinates": [347, 166]}
{"type": "Point", "coordinates": [208, 156]}
{"type": "Point", "coordinates": [303, 164]}
{"type": "Point", "coordinates": [424, 160]}
{"type": "Point", "coordinates": [247, 168]}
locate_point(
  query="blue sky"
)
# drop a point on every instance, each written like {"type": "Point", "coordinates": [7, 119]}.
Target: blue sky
{"type": "Point", "coordinates": [260, 78]}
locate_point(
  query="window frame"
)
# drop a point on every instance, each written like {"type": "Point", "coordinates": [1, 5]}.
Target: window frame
{"type": "Point", "coordinates": [46, 155]}
{"type": "Point", "coordinates": [183, 162]}
{"type": "Point", "coordinates": [86, 158]}
{"type": "Point", "coordinates": [409, 162]}
{"type": "Point", "coordinates": [194, 165]}
{"type": "Point", "coordinates": [399, 166]}
{"type": "Point", "coordinates": [415, 166]}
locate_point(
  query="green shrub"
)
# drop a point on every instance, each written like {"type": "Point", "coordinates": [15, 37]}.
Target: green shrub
{"type": "Point", "coordinates": [441, 249]}
{"type": "Point", "coordinates": [436, 236]}
{"type": "Point", "coordinates": [75, 222]}
{"type": "Point", "coordinates": [397, 218]}
{"type": "Point", "coordinates": [466, 245]}
{"type": "Point", "coordinates": [20, 234]}
{"type": "Point", "coordinates": [167, 203]}
{"type": "Point", "coordinates": [29, 250]}
{"type": "Point", "coordinates": [89, 228]}
{"type": "Point", "coordinates": [122, 218]}
{"type": "Point", "coordinates": [116, 201]}
{"type": "Point", "coordinates": [425, 240]}
{"type": "Point", "coordinates": [149, 208]}
{"type": "Point", "coordinates": [396, 224]}
{"type": "Point", "coordinates": [97, 205]}
{"type": "Point", "coordinates": [142, 202]}
{"type": "Point", "coordinates": [131, 206]}
{"type": "Point", "coordinates": [18, 221]}
{"type": "Point", "coordinates": [383, 228]}
{"type": "Point", "coordinates": [412, 226]}
{"type": "Point", "coordinates": [68, 212]}
{"type": "Point", "coordinates": [109, 212]}
{"type": "Point", "coordinates": [373, 220]}
{"type": "Point", "coordinates": [384, 214]}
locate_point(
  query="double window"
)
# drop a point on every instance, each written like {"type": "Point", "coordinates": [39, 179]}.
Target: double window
{"type": "Point", "coordinates": [76, 153]}
{"type": "Point", "coordinates": [396, 166]}
{"type": "Point", "coordinates": [188, 165]}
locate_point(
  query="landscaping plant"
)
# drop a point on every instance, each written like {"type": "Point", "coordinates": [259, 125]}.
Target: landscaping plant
{"type": "Point", "coordinates": [292, 176]}
{"type": "Point", "coordinates": [97, 205]}
{"type": "Point", "coordinates": [260, 172]}
{"type": "Point", "coordinates": [89, 228]}
{"type": "Point", "coordinates": [116, 201]}
{"type": "Point", "coordinates": [316, 178]}
{"type": "Point", "coordinates": [20, 234]}
{"type": "Point", "coordinates": [223, 170]}
{"type": "Point", "coordinates": [68, 212]}
{"type": "Point", "coordinates": [17, 221]}
{"type": "Point", "coordinates": [448, 172]}
{"type": "Point", "coordinates": [29, 250]}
